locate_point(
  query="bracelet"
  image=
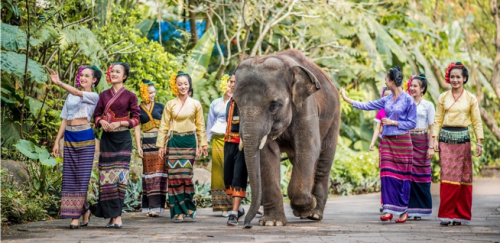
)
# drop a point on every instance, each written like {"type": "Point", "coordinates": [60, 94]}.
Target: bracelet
{"type": "Point", "coordinates": [431, 147]}
{"type": "Point", "coordinates": [479, 144]}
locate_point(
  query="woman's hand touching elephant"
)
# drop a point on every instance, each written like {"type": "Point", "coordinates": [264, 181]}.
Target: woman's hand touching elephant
{"type": "Point", "coordinates": [344, 97]}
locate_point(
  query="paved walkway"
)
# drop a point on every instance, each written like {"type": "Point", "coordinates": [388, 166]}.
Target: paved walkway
{"type": "Point", "coordinates": [348, 219]}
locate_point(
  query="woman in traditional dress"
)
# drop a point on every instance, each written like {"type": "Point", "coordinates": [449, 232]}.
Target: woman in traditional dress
{"type": "Point", "coordinates": [79, 143]}
{"type": "Point", "coordinates": [154, 175]}
{"type": "Point", "coordinates": [396, 147]}
{"type": "Point", "coordinates": [420, 204]}
{"type": "Point", "coordinates": [456, 110]}
{"type": "Point", "coordinates": [216, 127]}
{"type": "Point", "coordinates": [182, 136]}
{"type": "Point", "coordinates": [116, 112]}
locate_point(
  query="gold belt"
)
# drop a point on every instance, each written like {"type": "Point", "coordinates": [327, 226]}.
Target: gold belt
{"type": "Point", "coordinates": [77, 128]}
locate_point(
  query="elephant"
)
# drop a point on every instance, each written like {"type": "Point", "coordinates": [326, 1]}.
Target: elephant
{"type": "Point", "coordinates": [287, 104]}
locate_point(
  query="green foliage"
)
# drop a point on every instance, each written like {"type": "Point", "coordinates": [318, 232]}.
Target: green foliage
{"type": "Point", "coordinates": [354, 173]}
{"type": "Point", "coordinates": [202, 196]}
{"type": "Point", "coordinates": [13, 38]}
{"type": "Point", "coordinates": [133, 196]}
{"type": "Point", "coordinates": [41, 199]}
{"type": "Point", "coordinates": [199, 57]}
{"type": "Point", "coordinates": [13, 63]}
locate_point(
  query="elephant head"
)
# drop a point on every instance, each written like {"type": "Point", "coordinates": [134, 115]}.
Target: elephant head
{"type": "Point", "coordinates": [269, 91]}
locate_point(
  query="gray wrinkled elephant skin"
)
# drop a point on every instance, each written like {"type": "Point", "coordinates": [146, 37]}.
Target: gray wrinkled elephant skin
{"type": "Point", "coordinates": [287, 104]}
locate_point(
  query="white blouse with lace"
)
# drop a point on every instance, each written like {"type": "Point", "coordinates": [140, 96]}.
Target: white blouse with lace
{"type": "Point", "coordinates": [80, 107]}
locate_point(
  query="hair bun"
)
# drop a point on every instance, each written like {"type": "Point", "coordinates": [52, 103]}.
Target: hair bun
{"type": "Point", "coordinates": [459, 63]}
{"type": "Point", "coordinates": [179, 72]}
{"type": "Point", "coordinates": [397, 68]}
{"type": "Point", "coordinates": [422, 75]}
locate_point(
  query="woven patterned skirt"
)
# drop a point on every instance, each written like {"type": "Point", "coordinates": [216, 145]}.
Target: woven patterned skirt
{"type": "Point", "coordinates": [396, 155]}
{"type": "Point", "coordinates": [220, 200]}
{"type": "Point", "coordinates": [420, 194]}
{"type": "Point", "coordinates": [154, 175]}
{"type": "Point", "coordinates": [181, 155]}
{"type": "Point", "coordinates": [79, 148]}
{"type": "Point", "coordinates": [114, 165]}
{"type": "Point", "coordinates": [456, 175]}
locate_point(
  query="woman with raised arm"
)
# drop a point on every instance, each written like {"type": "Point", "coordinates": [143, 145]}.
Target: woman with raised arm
{"type": "Point", "coordinates": [396, 148]}
{"type": "Point", "coordinates": [116, 112]}
{"type": "Point", "coordinates": [456, 110]}
{"type": "Point", "coordinates": [182, 136]}
{"type": "Point", "coordinates": [79, 143]}
{"type": "Point", "coordinates": [420, 204]}
{"type": "Point", "coordinates": [216, 127]}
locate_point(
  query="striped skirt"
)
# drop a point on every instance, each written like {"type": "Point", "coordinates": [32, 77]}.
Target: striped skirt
{"type": "Point", "coordinates": [456, 175]}
{"type": "Point", "coordinates": [181, 155]}
{"type": "Point", "coordinates": [154, 175]}
{"type": "Point", "coordinates": [220, 200]}
{"type": "Point", "coordinates": [396, 154]}
{"type": "Point", "coordinates": [420, 194]}
{"type": "Point", "coordinates": [114, 164]}
{"type": "Point", "coordinates": [79, 148]}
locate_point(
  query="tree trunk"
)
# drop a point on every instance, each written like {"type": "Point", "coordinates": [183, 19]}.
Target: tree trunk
{"type": "Point", "coordinates": [192, 22]}
{"type": "Point", "coordinates": [490, 122]}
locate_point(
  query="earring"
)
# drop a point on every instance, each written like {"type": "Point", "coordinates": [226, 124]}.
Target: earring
{"type": "Point", "coordinates": [93, 85]}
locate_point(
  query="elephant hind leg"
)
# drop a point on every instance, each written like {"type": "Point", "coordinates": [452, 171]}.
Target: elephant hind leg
{"type": "Point", "coordinates": [322, 174]}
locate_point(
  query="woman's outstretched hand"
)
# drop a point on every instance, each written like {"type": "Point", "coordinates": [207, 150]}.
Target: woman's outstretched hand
{"type": "Point", "coordinates": [54, 76]}
{"type": "Point", "coordinates": [344, 97]}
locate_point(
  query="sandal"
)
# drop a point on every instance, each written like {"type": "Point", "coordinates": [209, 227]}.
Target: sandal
{"type": "Point", "coordinates": [417, 218]}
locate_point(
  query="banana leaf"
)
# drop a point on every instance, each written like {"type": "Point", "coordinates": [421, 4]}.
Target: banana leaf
{"type": "Point", "coordinates": [200, 56]}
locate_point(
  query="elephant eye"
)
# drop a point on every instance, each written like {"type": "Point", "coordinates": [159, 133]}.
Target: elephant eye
{"type": "Point", "coordinates": [274, 106]}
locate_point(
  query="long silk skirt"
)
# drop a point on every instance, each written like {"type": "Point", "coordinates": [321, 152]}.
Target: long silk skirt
{"type": "Point", "coordinates": [420, 194]}
{"type": "Point", "coordinates": [220, 200]}
{"type": "Point", "coordinates": [154, 175]}
{"type": "Point", "coordinates": [456, 175]}
{"type": "Point", "coordinates": [79, 148]}
{"type": "Point", "coordinates": [396, 155]}
{"type": "Point", "coordinates": [181, 155]}
{"type": "Point", "coordinates": [114, 165]}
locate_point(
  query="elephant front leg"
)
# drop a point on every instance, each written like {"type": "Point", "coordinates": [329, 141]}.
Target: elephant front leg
{"type": "Point", "coordinates": [274, 213]}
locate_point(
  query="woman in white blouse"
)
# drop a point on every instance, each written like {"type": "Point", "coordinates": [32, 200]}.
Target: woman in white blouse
{"type": "Point", "coordinates": [216, 128]}
{"type": "Point", "coordinates": [79, 143]}
{"type": "Point", "coordinates": [420, 204]}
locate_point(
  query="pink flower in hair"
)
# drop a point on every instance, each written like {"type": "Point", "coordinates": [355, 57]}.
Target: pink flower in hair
{"type": "Point", "coordinates": [78, 76]}
{"type": "Point", "coordinates": [409, 83]}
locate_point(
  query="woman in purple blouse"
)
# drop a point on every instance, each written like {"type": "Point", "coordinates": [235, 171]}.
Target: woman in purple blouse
{"type": "Point", "coordinates": [396, 149]}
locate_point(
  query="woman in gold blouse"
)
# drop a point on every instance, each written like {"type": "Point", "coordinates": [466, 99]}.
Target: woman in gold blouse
{"type": "Point", "coordinates": [456, 110]}
{"type": "Point", "coordinates": [182, 136]}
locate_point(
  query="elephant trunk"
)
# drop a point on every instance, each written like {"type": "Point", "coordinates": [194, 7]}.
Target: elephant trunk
{"type": "Point", "coordinates": [252, 159]}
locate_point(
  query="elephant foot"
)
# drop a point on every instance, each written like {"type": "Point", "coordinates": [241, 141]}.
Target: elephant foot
{"type": "Point", "coordinates": [316, 214]}
{"type": "Point", "coordinates": [273, 219]}
{"type": "Point", "coordinates": [302, 208]}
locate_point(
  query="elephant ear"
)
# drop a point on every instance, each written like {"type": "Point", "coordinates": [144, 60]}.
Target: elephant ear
{"type": "Point", "coordinates": [305, 84]}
